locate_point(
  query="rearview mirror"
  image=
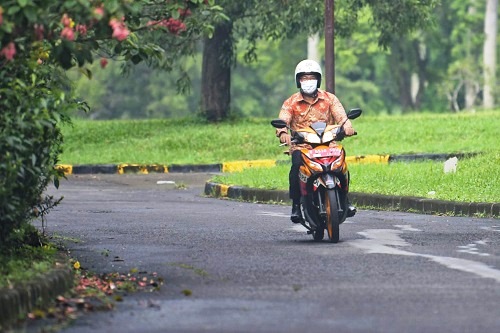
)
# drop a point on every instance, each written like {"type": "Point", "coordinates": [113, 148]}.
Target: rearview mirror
{"type": "Point", "coordinates": [278, 123]}
{"type": "Point", "coordinates": [354, 113]}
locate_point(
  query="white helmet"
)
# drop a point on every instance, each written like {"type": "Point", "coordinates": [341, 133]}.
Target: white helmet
{"type": "Point", "coordinates": [307, 67]}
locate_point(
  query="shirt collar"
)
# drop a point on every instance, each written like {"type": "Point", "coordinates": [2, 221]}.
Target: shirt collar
{"type": "Point", "coordinates": [321, 95]}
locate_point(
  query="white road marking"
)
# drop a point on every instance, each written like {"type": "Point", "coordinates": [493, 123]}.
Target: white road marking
{"type": "Point", "coordinates": [472, 248]}
{"type": "Point", "coordinates": [385, 241]}
{"type": "Point", "coordinates": [273, 214]}
{"type": "Point", "coordinates": [406, 227]}
{"type": "Point", "coordinates": [492, 228]}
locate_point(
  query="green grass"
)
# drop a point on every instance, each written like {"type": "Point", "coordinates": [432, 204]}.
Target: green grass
{"type": "Point", "coordinates": [476, 179]}
{"type": "Point", "coordinates": [167, 142]}
{"type": "Point", "coordinates": [25, 264]}
{"type": "Point", "coordinates": [189, 142]}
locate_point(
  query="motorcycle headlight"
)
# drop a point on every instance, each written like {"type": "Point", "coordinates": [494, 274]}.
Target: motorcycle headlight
{"type": "Point", "coordinates": [311, 138]}
{"type": "Point", "coordinates": [312, 166]}
{"type": "Point", "coordinates": [338, 163]}
{"type": "Point", "coordinates": [327, 137]}
{"type": "Point", "coordinates": [315, 166]}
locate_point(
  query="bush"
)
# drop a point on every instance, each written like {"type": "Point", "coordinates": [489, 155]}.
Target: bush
{"type": "Point", "coordinates": [33, 103]}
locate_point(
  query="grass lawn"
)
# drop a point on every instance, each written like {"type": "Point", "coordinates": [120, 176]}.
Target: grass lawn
{"type": "Point", "coordinates": [187, 141]}
{"type": "Point", "coordinates": [476, 179]}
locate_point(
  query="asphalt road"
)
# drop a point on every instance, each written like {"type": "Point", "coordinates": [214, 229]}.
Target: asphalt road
{"type": "Point", "coordinates": [250, 270]}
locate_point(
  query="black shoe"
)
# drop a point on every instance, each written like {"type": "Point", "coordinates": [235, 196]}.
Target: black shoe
{"type": "Point", "coordinates": [351, 210]}
{"type": "Point", "coordinates": [296, 216]}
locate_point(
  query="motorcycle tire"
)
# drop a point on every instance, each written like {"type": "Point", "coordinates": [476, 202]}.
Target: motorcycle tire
{"type": "Point", "coordinates": [332, 215]}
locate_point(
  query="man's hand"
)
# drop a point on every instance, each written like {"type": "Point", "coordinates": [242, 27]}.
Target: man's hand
{"type": "Point", "coordinates": [349, 131]}
{"type": "Point", "coordinates": [285, 138]}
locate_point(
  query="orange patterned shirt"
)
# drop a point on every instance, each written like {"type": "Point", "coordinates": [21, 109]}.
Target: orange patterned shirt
{"type": "Point", "coordinates": [299, 113]}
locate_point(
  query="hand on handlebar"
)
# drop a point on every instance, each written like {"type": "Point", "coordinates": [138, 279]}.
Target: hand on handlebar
{"type": "Point", "coordinates": [349, 131]}
{"type": "Point", "coordinates": [285, 139]}
{"type": "Point", "coordinates": [343, 132]}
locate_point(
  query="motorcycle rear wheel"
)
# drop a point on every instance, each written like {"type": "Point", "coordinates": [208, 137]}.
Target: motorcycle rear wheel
{"type": "Point", "coordinates": [332, 216]}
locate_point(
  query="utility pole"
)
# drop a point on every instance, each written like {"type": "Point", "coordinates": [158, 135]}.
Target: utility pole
{"type": "Point", "coordinates": [330, 45]}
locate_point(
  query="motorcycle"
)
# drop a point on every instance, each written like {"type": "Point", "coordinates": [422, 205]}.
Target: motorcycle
{"type": "Point", "coordinates": [324, 176]}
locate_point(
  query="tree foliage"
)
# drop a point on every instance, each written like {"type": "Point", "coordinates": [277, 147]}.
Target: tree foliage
{"type": "Point", "coordinates": [252, 21]}
{"type": "Point", "coordinates": [426, 69]}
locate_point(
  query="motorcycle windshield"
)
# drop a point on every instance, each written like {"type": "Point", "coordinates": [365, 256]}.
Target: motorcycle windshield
{"type": "Point", "coordinates": [319, 127]}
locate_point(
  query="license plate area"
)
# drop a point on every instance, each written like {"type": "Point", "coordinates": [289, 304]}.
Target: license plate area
{"type": "Point", "coordinates": [324, 152]}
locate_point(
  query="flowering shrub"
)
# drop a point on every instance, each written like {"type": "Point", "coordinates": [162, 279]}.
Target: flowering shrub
{"type": "Point", "coordinates": [39, 39]}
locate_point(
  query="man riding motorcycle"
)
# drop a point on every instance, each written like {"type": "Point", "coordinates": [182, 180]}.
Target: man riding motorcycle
{"type": "Point", "coordinates": [300, 110]}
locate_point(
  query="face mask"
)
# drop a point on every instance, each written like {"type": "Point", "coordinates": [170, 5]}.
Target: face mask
{"type": "Point", "coordinates": [309, 86]}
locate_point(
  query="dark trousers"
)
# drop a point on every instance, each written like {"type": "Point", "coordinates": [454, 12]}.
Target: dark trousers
{"type": "Point", "coordinates": [293, 176]}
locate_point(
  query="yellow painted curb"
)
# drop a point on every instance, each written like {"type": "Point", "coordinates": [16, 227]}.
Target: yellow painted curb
{"type": "Point", "coordinates": [240, 165]}
{"type": "Point", "coordinates": [223, 190]}
{"type": "Point", "coordinates": [364, 159]}
{"type": "Point", "coordinates": [66, 168]}
{"type": "Point", "coordinates": [226, 167]}
{"type": "Point", "coordinates": [141, 168]}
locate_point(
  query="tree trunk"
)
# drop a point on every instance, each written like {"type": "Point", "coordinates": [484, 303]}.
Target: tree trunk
{"type": "Point", "coordinates": [402, 76]}
{"type": "Point", "coordinates": [470, 82]}
{"type": "Point", "coordinates": [489, 53]}
{"type": "Point", "coordinates": [216, 74]}
{"type": "Point", "coordinates": [422, 59]}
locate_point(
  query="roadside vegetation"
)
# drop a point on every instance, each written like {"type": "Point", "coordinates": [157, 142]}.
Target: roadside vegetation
{"type": "Point", "coordinates": [476, 179]}
{"type": "Point", "coordinates": [24, 264]}
{"type": "Point", "coordinates": [192, 141]}
{"type": "Point", "coordinates": [188, 141]}
{"type": "Point", "coordinates": [39, 41]}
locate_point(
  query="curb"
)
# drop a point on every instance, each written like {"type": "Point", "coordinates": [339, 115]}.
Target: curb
{"type": "Point", "coordinates": [125, 168]}
{"type": "Point", "coordinates": [17, 302]}
{"type": "Point", "coordinates": [234, 166]}
{"type": "Point", "coordinates": [371, 201]}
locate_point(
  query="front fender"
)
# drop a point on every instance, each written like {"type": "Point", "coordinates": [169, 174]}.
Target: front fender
{"type": "Point", "coordinates": [329, 180]}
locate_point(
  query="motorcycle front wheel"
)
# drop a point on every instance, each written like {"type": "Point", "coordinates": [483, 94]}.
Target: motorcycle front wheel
{"type": "Point", "coordinates": [332, 215]}
{"type": "Point", "coordinates": [318, 234]}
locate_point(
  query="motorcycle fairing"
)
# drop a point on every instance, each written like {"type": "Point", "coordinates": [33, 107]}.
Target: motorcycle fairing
{"type": "Point", "coordinates": [310, 183]}
{"type": "Point", "coordinates": [321, 160]}
{"type": "Point", "coordinates": [318, 133]}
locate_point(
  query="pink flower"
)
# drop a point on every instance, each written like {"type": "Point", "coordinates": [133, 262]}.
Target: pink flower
{"type": "Point", "coordinates": [104, 62]}
{"type": "Point", "coordinates": [120, 31]}
{"type": "Point", "coordinates": [39, 31]}
{"type": "Point", "coordinates": [66, 21]}
{"type": "Point", "coordinates": [68, 33]}
{"type": "Point", "coordinates": [99, 12]}
{"type": "Point", "coordinates": [9, 51]}
{"type": "Point", "coordinates": [173, 25]}
{"type": "Point", "coordinates": [82, 29]}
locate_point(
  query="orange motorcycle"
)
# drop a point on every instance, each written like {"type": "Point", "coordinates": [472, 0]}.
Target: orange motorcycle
{"type": "Point", "coordinates": [324, 177]}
